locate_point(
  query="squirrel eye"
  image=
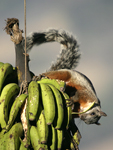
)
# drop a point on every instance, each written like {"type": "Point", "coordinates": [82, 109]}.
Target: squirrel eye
{"type": "Point", "coordinates": [92, 114]}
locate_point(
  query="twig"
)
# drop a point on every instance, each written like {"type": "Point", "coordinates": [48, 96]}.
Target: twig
{"type": "Point", "coordinates": [25, 41]}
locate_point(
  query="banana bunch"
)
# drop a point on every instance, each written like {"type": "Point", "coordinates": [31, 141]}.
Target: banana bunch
{"type": "Point", "coordinates": [48, 110]}
{"type": "Point", "coordinates": [8, 93]}
{"type": "Point", "coordinates": [5, 70]}
{"type": "Point", "coordinates": [10, 140]}
{"type": "Point", "coordinates": [38, 119]}
{"type": "Point", "coordinates": [48, 93]}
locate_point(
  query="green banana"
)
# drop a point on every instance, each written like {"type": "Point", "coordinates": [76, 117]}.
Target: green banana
{"type": "Point", "coordinates": [5, 70]}
{"type": "Point", "coordinates": [59, 139]}
{"type": "Point", "coordinates": [35, 140]}
{"type": "Point", "coordinates": [54, 138]}
{"type": "Point", "coordinates": [68, 110]}
{"type": "Point", "coordinates": [12, 137]}
{"type": "Point", "coordinates": [1, 64]}
{"type": "Point", "coordinates": [75, 141]}
{"type": "Point", "coordinates": [12, 77]}
{"type": "Point", "coordinates": [33, 99]}
{"type": "Point", "coordinates": [59, 84]}
{"type": "Point", "coordinates": [59, 110]}
{"type": "Point", "coordinates": [10, 140]}
{"type": "Point", "coordinates": [14, 109]}
{"type": "Point", "coordinates": [42, 128]}
{"type": "Point", "coordinates": [8, 92]}
{"type": "Point", "coordinates": [48, 103]}
{"type": "Point", "coordinates": [22, 147]}
{"type": "Point", "coordinates": [75, 135]}
{"type": "Point", "coordinates": [3, 141]}
{"type": "Point", "coordinates": [2, 133]}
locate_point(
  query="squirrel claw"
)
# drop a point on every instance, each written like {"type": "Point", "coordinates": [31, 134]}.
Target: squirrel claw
{"type": "Point", "coordinates": [69, 103]}
{"type": "Point", "coordinates": [35, 78]}
{"type": "Point", "coordinates": [38, 78]}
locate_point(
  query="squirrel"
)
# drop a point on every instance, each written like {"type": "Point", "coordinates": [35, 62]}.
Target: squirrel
{"type": "Point", "coordinates": [79, 88]}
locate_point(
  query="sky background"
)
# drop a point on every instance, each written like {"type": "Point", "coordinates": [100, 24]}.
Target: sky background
{"type": "Point", "coordinates": [91, 21]}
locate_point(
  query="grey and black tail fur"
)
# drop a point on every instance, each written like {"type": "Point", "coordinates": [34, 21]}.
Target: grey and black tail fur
{"type": "Point", "coordinates": [69, 55]}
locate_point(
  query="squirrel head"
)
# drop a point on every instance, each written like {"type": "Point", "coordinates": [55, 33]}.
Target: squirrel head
{"type": "Point", "coordinates": [93, 115]}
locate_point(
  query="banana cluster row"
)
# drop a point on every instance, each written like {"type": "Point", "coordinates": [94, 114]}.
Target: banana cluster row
{"type": "Point", "coordinates": [48, 119]}
{"type": "Point", "coordinates": [57, 139]}
{"type": "Point", "coordinates": [47, 105]}
{"type": "Point", "coordinates": [46, 93]}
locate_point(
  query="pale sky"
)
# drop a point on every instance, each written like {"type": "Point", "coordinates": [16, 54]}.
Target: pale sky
{"type": "Point", "coordinates": [91, 21]}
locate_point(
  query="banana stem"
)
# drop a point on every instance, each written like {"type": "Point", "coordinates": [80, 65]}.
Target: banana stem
{"type": "Point", "coordinates": [20, 64]}
{"type": "Point", "coordinates": [12, 28]}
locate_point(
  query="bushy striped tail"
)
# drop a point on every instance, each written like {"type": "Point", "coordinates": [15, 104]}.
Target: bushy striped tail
{"type": "Point", "coordinates": [69, 55]}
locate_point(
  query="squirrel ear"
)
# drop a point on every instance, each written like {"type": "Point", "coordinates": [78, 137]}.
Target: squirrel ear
{"type": "Point", "coordinates": [97, 123]}
{"type": "Point", "coordinates": [103, 114]}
